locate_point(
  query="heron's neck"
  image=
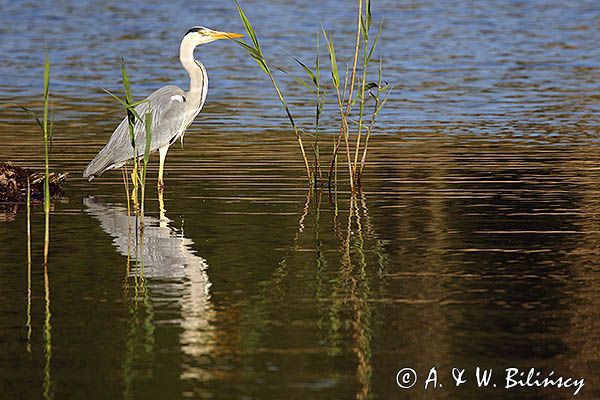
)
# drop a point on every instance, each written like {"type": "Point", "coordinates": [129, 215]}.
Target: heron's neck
{"type": "Point", "coordinates": [196, 72]}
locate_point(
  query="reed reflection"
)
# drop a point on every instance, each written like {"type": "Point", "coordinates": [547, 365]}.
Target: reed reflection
{"type": "Point", "coordinates": [357, 284]}
{"type": "Point", "coordinates": [345, 282]}
{"type": "Point", "coordinates": [48, 386]}
{"type": "Point", "coordinates": [161, 264]}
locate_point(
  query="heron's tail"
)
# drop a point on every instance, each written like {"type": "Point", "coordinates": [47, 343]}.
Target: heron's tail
{"type": "Point", "coordinates": [96, 167]}
{"type": "Point", "coordinates": [90, 173]}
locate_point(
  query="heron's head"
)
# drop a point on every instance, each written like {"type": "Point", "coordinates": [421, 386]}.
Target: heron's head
{"type": "Point", "coordinates": [201, 35]}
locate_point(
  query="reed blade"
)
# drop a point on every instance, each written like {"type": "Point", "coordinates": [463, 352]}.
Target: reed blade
{"type": "Point", "coordinates": [374, 44]}
{"type": "Point", "coordinates": [335, 76]}
{"type": "Point", "coordinates": [308, 71]}
{"type": "Point", "coordinates": [248, 26]}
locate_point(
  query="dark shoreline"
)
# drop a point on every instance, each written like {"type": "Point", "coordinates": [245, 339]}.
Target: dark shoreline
{"type": "Point", "coordinates": [13, 184]}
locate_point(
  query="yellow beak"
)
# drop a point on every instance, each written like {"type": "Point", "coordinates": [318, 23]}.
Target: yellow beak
{"type": "Point", "coordinates": [225, 35]}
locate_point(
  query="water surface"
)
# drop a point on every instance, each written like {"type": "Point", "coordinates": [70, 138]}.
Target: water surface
{"type": "Point", "coordinates": [475, 242]}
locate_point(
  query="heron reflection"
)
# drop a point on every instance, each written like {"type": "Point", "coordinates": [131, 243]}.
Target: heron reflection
{"type": "Point", "coordinates": [171, 269]}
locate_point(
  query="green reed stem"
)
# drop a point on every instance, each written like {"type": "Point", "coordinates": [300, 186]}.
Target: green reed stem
{"type": "Point", "coordinates": [363, 85]}
{"type": "Point", "coordinates": [255, 51]}
{"type": "Point", "coordinates": [47, 326]}
{"type": "Point", "coordinates": [46, 158]}
{"type": "Point", "coordinates": [126, 184]}
{"type": "Point", "coordinates": [379, 102]}
{"type": "Point", "coordinates": [294, 126]}
{"type": "Point", "coordinates": [351, 93]}
{"type": "Point", "coordinates": [345, 98]}
{"type": "Point", "coordinates": [344, 128]}
{"type": "Point", "coordinates": [354, 59]}
{"type": "Point", "coordinates": [131, 118]}
{"type": "Point", "coordinates": [318, 110]}
{"type": "Point", "coordinates": [137, 177]}
{"type": "Point", "coordinates": [148, 127]}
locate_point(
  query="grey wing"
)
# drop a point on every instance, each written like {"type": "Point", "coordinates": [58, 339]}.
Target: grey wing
{"type": "Point", "coordinates": [167, 106]}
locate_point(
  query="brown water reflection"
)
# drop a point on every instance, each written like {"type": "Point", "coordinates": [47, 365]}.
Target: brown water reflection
{"type": "Point", "coordinates": [463, 252]}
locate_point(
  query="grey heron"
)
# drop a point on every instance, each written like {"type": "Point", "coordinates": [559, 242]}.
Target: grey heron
{"type": "Point", "coordinates": [172, 108]}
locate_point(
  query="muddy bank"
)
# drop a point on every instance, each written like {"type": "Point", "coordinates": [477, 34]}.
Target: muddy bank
{"type": "Point", "coordinates": [13, 184]}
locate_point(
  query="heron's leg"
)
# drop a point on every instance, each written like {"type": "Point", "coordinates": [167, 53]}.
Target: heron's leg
{"type": "Point", "coordinates": [163, 155]}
